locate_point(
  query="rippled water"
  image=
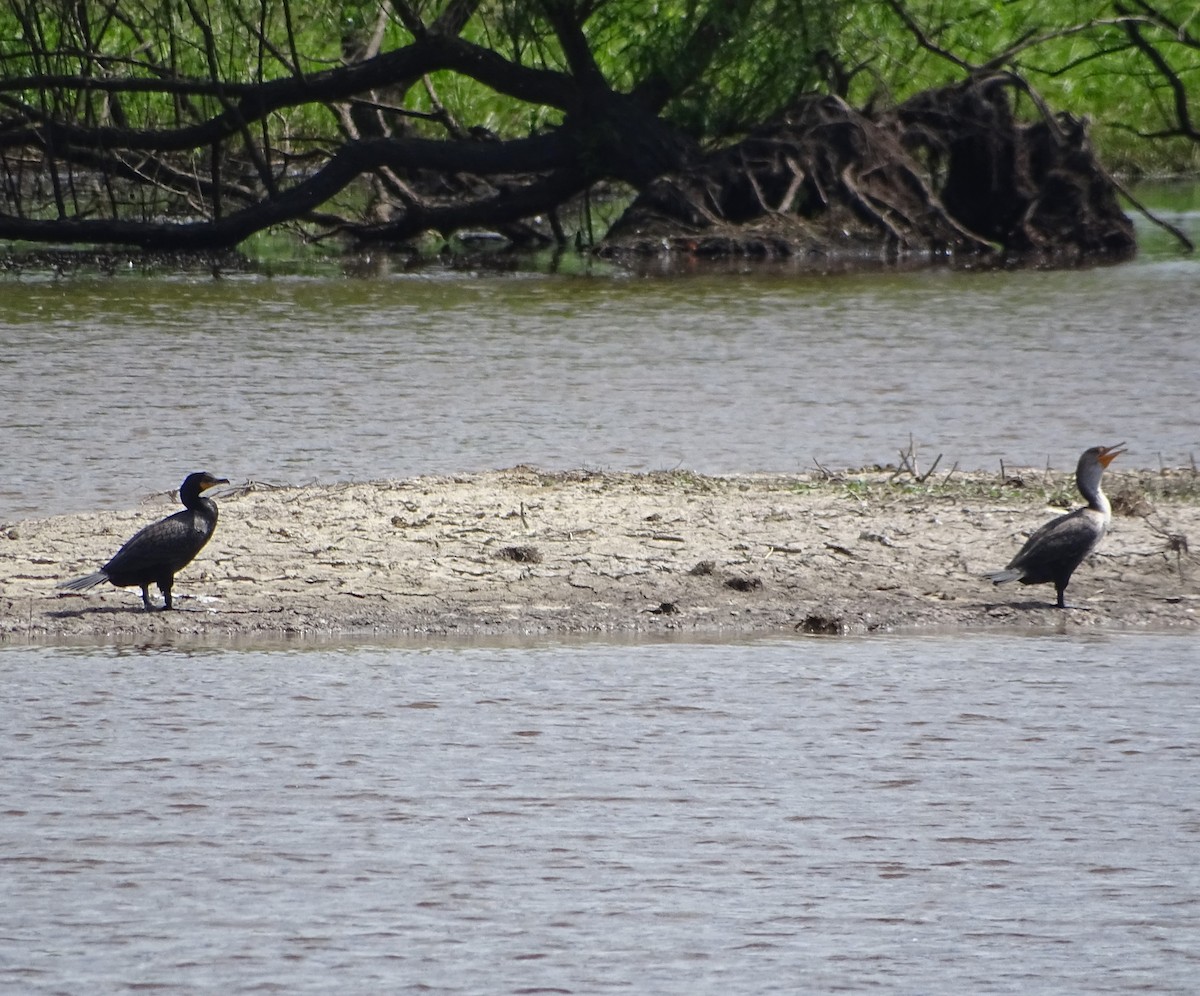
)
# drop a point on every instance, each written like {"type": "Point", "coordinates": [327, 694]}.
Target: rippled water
{"type": "Point", "coordinates": [116, 387]}
{"type": "Point", "coordinates": [940, 816]}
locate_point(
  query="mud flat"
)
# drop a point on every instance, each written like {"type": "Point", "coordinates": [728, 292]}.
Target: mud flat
{"type": "Point", "coordinates": [526, 552]}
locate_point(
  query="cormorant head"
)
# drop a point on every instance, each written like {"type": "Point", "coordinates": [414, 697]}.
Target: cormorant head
{"type": "Point", "coordinates": [1092, 463]}
{"type": "Point", "coordinates": [196, 483]}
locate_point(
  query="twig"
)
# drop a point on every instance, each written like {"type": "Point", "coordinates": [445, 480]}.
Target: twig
{"type": "Point", "coordinates": [908, 461]}
{"type": "Point", "coordinates": [924, 477]}
{"type": "Point", "coordinates": [1178, 233]}
{"type": "Point", "coordinates": [1177, 543]}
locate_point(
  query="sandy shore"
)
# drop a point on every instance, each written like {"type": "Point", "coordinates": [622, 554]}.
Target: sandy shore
{"type": "Point", "coordinates": [525, 552]}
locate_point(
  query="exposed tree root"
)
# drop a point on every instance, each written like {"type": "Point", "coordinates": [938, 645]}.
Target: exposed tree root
{"type": "Point", "coordinates": [949, 172]}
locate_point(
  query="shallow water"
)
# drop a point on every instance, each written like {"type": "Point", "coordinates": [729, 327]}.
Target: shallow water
{"type": "Point", "coordinates": [940, 815]}
{"type": "Point", "coordinates": [937, 815]}
{"type": "Point", "coordinates": [115, 387]}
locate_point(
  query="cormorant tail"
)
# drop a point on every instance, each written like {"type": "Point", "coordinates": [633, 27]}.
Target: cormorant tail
{"type": "Point", "coordinates": [85, 583]}
{"type": "Point", "coordinates": [1008, 574]}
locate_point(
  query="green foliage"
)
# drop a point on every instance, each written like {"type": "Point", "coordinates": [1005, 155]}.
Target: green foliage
{"type": "Point", "coordinates": [1075, 53]}
{"type": "Point", "coordinates": [769, 59]}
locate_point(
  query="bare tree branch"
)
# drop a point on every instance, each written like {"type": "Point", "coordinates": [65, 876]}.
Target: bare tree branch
{"type": "Point", "coordinates": [925, 41]}
{"type": "Point", "coordinates": [257, 101]}
{"type": "Point", "coordinates": [1180, 93]}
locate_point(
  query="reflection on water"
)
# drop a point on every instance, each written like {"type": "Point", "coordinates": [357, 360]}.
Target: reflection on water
{"type": "Point", "coordinates": [117, 387]}
{"type": "Point", "coordinates": [976, 814]}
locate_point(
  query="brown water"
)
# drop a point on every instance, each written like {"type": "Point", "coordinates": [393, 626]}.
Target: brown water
{"type": "Point", "coordinates": [940, 816]}
{"type": "Point", "coordinates": [114, 387]}
{"type": "Point", "coordinates": [957, 815]}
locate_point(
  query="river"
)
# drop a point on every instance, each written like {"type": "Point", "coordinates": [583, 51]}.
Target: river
{"type": "Point", "coordinates": [936, 815]}
{"type": "Point", "coordinates": [117, 386]}
{"type": "Point", "coordinates": [942, 814]}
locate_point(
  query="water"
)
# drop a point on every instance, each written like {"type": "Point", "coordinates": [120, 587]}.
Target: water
{"type": "Point", "coordinates": [983, 814]}
{"type": "Point", "coordinates": [117, 387]}
{"type": "Point", "coordinates": [937, 815]}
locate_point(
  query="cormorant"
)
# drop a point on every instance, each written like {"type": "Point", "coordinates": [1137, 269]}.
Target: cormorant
{"type": "Point", "coordinates": [159, 551]}
{"type": "Point", "coordinates": [1053, 552]}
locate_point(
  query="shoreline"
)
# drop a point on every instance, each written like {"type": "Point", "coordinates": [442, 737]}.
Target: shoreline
{"type": "Point", "coordinates": [522, 553]}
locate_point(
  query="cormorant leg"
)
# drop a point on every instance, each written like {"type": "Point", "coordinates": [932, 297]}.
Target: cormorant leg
{"type": "Point", "coordinates": [1062, 602]}
{"type": "Point", "coordinates": [146, 598]}
{"type": "Point", "coordinates": [165, 588]}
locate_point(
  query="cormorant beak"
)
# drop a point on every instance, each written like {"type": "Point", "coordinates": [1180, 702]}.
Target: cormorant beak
{"type": "Point", "coordinates": [1109, 453]}
{"type": "Point", "coordinates": [212, 482]}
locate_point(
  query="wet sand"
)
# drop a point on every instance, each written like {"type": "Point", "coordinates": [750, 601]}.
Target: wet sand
{"type": "Point", "coordinates": [524, 552]}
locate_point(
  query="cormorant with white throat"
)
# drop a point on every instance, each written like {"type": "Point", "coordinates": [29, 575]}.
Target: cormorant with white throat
{"type": "Point", "coordinates": [1052, 553]}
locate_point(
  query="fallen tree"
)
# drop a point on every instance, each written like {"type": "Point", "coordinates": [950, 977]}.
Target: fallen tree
{"type": "Point", "coordinates": [950, 171]}
{"type": "Point", "coordinates": [176, 129]}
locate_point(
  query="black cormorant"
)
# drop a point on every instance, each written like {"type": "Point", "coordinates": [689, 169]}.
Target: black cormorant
{"type": "Point", "coordinates": [1053, 552]}
{"type": "Point", "coordinates": [158, 552]}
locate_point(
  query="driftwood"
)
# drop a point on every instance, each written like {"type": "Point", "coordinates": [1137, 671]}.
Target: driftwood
{"type": "Point", "coordinates": [951, 171]}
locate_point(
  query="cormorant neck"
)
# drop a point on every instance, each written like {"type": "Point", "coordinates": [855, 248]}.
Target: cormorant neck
{"type": "Point", "coordinates": [194, 500]}
{"type": "Point", "coordinates": [207, 508]}
{"type": "Point", "coordinates": [1087, 479]}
